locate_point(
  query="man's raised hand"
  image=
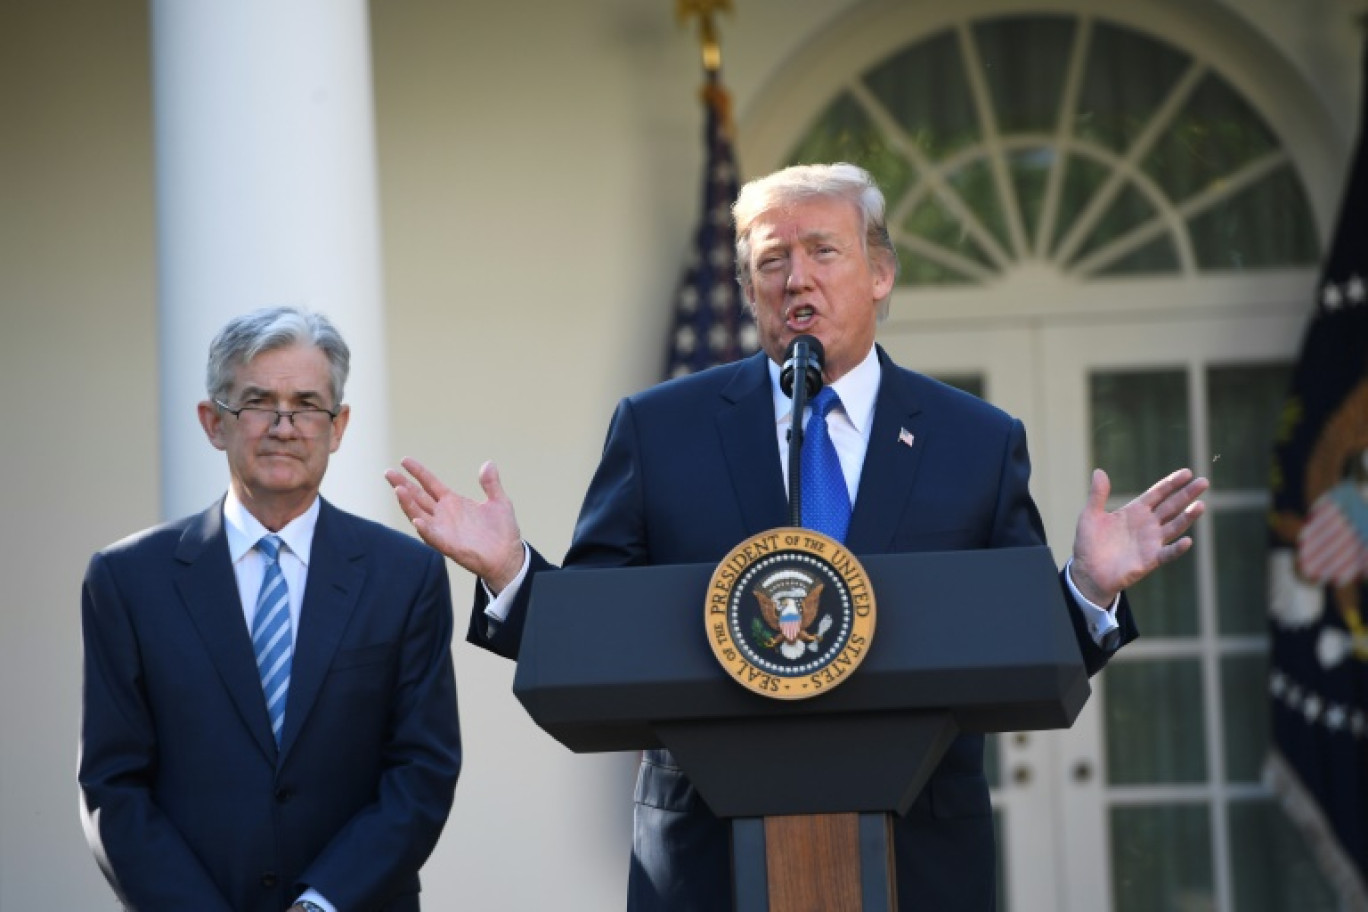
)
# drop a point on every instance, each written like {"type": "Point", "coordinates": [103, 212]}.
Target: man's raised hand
{"type": "Point", "coordinates": [1113, 551]}
{"type": "Point", "coordinates": [482, 537]}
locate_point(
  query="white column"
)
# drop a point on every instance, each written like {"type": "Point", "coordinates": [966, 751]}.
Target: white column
{"type": "Point", "coordinates": [266, 194]}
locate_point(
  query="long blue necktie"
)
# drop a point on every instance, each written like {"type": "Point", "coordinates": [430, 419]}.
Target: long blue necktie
{"type": "Point", "coordinates": [826, 502]}
{"type": "Point", "coordinates": [271, 634]}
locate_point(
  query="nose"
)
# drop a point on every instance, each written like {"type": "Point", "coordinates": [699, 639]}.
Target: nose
{"type": "Point", "coordinates": [798, 272]}
{"type": "Point", "coordinates": [283, 425]}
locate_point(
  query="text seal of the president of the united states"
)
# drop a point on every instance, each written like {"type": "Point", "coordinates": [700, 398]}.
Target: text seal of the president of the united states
{"type": "Point", "coordinates": [790, 613]}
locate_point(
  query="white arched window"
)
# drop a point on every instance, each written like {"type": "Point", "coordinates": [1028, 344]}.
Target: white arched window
{"type": "Point", "coordinates": [1068, 140]}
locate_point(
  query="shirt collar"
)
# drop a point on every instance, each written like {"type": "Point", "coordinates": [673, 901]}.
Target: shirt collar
{"type": "Point", "coordinates": [858, 389]}
{"type": "Point", "coordinates": [244, 530]}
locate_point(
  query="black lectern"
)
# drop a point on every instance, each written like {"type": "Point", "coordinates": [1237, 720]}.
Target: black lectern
{"type": "Point", "coordinates": [966, 641]}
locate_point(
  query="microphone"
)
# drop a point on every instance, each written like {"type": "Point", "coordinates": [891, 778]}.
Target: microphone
{"type": "Point", "coordinates": [803, 358]}
{"type": "Point", "coordinates": [804, 355]}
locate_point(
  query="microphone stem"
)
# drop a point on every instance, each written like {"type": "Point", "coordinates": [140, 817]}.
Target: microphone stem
{"type": "Point", "coordinates": [795, 442]}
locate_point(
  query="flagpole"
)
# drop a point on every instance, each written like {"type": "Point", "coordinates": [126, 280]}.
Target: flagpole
{"type": "Point", "coordinates": [712, 323]}
{"type": "Point", "coordinates": [707, 27]}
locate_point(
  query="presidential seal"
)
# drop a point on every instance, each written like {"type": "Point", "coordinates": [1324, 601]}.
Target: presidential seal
{"type": "Point", "coordinates": [790, 613]}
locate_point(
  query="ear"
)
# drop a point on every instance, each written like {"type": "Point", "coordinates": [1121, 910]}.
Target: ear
{"type": "Point", "coordinates": [211, 419]}
{"type": "Point", "coordinates": [881, 267]}
{"type": "Point", "coordinates": [339, 427]}
{"type": "Point", "coordinates": [747, 291]}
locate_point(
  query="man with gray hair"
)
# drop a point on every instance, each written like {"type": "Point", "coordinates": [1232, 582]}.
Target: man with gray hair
{"type": "Point", "coordinates": [696, 465]}
{"type": "Point", "coordinates": [270, 706]}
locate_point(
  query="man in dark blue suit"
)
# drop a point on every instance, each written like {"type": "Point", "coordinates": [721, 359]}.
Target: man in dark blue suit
{"type": "Point", "coordinates": [270, 705]}
{"type": "Point", "coordinates": [693, 466]}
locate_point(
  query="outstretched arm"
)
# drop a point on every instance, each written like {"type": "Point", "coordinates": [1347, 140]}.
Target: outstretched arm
{"type": "Point", "coordinates": [481, 537]}
{"type": "Point", "coordinates": [1113, 551]}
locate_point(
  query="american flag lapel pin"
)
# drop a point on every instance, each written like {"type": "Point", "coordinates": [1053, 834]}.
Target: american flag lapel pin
{"type": "Point", "coordinates": [905, 437]}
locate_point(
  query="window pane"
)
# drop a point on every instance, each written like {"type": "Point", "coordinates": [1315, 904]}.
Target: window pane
{"type": "Point", "coordinates": [1161, 859]}
{"type": "Point", "coordinates": [1159, 255]}
{"type": "Point", "coordinates": [1244, 688]}
{"type": "Point", "coordinates": [1211, 138]}
{"type": "Point", "coordinates": [1140, 426]}
{"type": "Point", "coordinates": [1129, 210]}
{"type": "Point", "coordinates": [1241, 570]}
{"type": "Point", "coordinates": [991, 760]}
{"type": "Point", "coordinates": [1145, 745]}
{"type": "Point", "coordinates": [1128, 77]}
{"type": "Point", "coordinates": [925, 90]}
{"type": "Point", "coordinates": [916, 269]}
{"type": "Point", "coordinates": [1083, 177]}
{"type": "Point", "coordinates": [1244, 403]}
{"type": "Point", "coordinates": [845, 132]}
{"type": "Point", "coordinates": [931, 221]}
{"type": "Point", "coordinates": [1030, 172]}
{"type": "Point", "coordinates": [1266, 224]}
{"type": "Point", "coordinates": [1270, 865]}
{"type": "Point", "coordinates": [1165, 602]}
{"type": "Point", "coordinates": [1024, 63]}
{"type": "Point", "coordinates": [975, 185]}
{"type": "Point", "coordinates": [970, 383]}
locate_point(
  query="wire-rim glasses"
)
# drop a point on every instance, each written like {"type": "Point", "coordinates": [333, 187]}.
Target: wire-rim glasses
{"type": "Point", "coordinates": [309, 421]}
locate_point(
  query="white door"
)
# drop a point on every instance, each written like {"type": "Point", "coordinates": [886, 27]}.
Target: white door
{"type": "Point", "coordinates": [1152, 800]}
{"type": "Point", "coordinates": [1002, 366]}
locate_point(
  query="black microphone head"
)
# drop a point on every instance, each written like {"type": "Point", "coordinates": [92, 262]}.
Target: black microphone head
{"type": "Point", "coordinates": [803, 353]}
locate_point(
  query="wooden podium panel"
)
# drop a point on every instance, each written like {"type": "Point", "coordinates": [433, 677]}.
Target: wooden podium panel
{"type": "Point", "coordinates": [814, 863]}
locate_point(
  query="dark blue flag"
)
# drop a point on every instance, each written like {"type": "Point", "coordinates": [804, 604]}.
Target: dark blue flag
{"type": "Point", "coordinates": [1318, 608]}
{"type": "Point", "coordinates": [712, 324]}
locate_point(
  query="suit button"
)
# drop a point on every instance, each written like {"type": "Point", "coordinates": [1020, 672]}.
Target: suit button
{"type": "Point", "coordinates": [269, 880]}
{"type": "Point", "coordinates": [283, 795]}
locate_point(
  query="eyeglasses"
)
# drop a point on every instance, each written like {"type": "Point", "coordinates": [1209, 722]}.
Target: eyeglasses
{"type": "Point", "coordinates": [309, 421]}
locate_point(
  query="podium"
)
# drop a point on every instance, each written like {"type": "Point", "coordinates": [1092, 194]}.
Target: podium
{"type": "Point", "coordinates": [966, 641]}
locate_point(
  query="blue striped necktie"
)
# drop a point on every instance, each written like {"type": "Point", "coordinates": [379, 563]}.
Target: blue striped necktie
{"type": "Point", "coordinates": [271, 634]}
{"type": "Point", "coordinates": [826, 501]}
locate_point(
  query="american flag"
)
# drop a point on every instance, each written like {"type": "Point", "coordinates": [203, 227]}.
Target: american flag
{"type": "Point", "coordinates": [712, 324]}
{"type": "Point", "coordinates": [1318, 607]}
{"type": "Point", "coordinates": [1333, 545]}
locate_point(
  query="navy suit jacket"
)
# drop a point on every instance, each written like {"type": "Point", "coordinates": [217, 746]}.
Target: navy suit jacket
{"type": "Point", "coordinates": [691, 468]}
{"type": "Point", "coordinates": [186, 800]}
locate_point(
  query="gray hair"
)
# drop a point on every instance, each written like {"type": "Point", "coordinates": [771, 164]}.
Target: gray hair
{"type": "Point", "coordinates": [268, 329]}
{"type": "Point", "coordinates": [799, 182]}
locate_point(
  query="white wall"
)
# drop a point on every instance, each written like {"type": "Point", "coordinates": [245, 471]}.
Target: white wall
{"type": "Point", "coordinates": [539, 170]}
{"type": "Point", "coordinates": [77, 354]}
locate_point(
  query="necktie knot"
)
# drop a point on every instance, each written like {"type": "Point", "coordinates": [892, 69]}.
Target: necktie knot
{"type": "Point", "coordinates": [825, 400]}
{"type": "Point", "coordinates": [269, 546]}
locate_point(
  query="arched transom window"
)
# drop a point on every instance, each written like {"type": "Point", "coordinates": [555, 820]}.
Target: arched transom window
{"type": "Point", "coordinates": [1069, 141]}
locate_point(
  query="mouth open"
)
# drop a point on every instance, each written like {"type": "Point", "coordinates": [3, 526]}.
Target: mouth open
{"type": "Point", "coordinates": [800, 318]}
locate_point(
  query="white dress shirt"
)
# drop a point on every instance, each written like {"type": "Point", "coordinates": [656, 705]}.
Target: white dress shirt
{"type": "Point", "coordinates": [243, 531]}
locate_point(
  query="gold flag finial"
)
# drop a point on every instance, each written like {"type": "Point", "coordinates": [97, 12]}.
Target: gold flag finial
{"type": "Point", "coordinates": [707, 29]}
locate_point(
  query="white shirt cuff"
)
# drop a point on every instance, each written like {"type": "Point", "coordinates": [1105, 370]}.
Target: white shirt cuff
{"type": "Point", "coordinates": [498, 606]}
{"type": "Point", "coordinates": [313, 896]}
{"type": "Point", "coordinates": [1101, 621]}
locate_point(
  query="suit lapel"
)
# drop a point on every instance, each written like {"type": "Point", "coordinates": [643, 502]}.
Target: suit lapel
{"type": "Point", "coordinates": [746, 427]}
{"type": "Point", "coordinates": [209, 590]}
{"type": "Point", "coordinates": [890, 464]}
{"type": "Point", "coordinates": [336, 572]}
